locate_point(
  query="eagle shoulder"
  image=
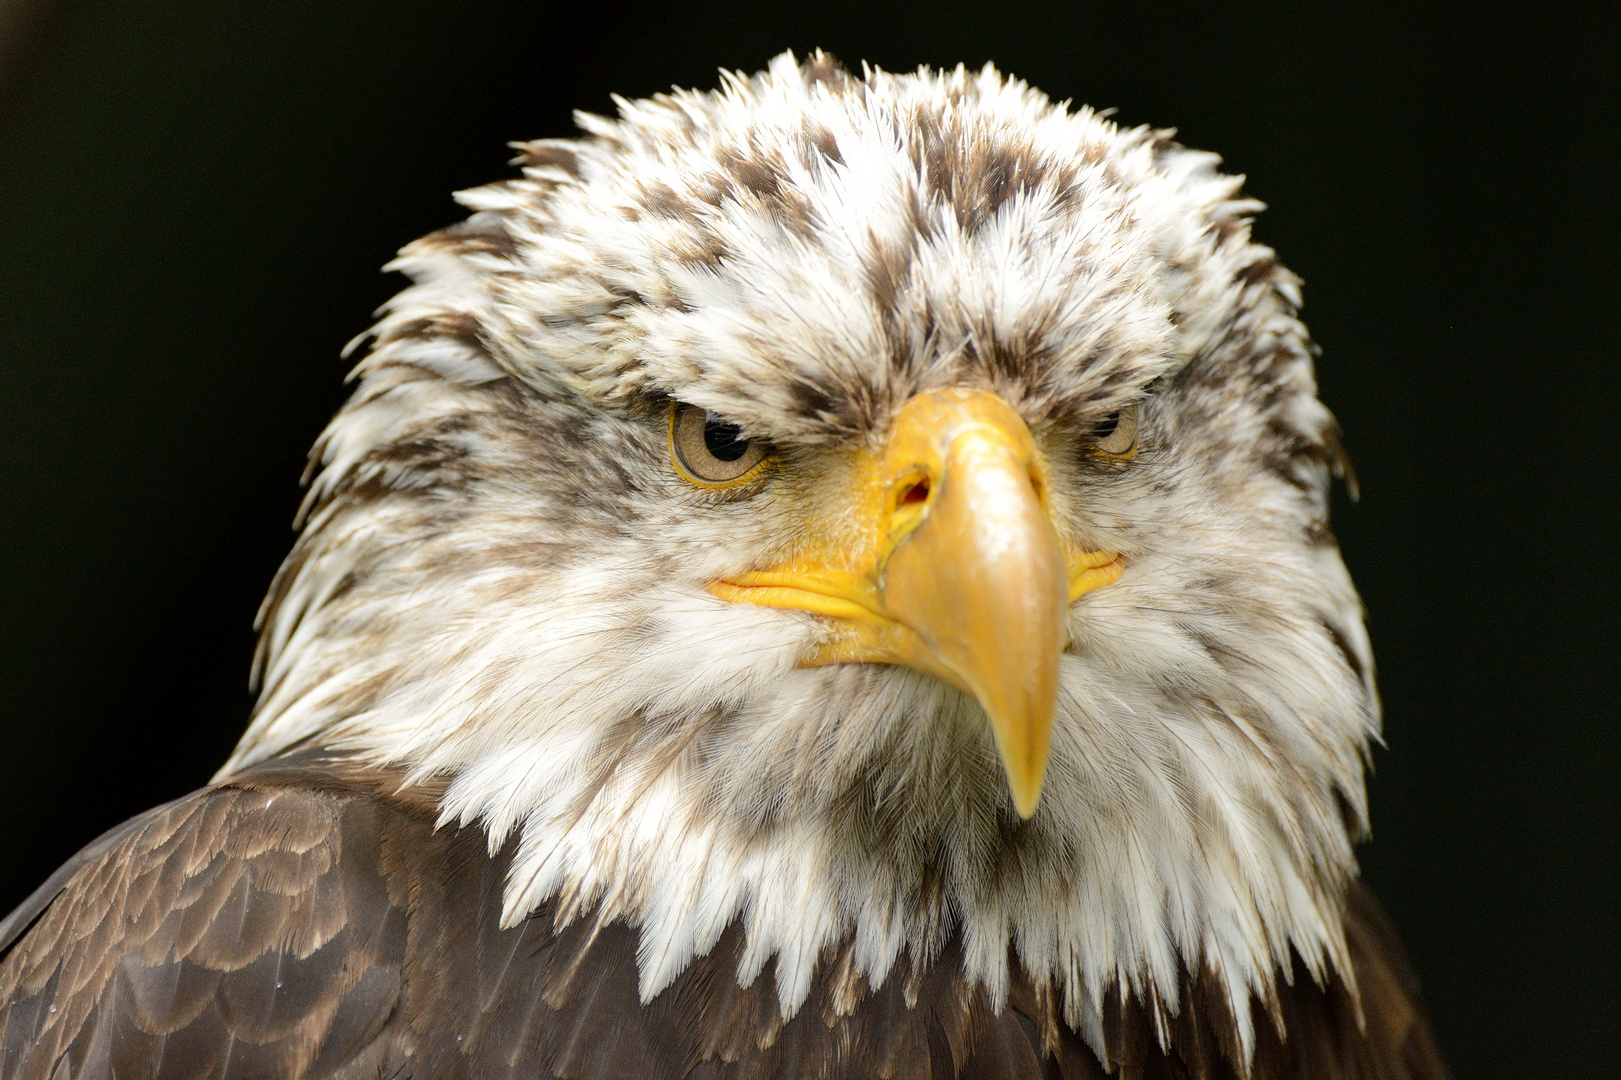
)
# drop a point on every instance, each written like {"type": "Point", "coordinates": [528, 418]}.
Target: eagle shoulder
{"type": "Point", "coordinates": [250, 929]}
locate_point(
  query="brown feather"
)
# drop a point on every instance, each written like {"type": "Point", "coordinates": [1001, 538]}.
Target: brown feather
{"type": "Point", "coordinates": [307, 920]}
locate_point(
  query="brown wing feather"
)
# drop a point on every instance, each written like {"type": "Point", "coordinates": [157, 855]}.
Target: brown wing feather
{"type": "Point", "coordinates": [308, 921]}
{"type": "Point", "coordinates": [1390, 993]}
{"type": "Point", "coordinates": [234, 933]}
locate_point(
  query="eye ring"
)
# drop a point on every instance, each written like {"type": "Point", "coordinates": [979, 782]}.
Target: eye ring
{"type": "Point", "coordinates": [708, 452]}
{"type": "Point", "coordinates": [1114, 438]}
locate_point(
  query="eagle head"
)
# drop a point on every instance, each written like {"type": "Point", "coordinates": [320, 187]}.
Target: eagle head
{"type": "Point", "coordinates": [878, 510]}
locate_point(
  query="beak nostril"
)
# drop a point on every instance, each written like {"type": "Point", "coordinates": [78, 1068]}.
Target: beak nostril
{"type": "Point", "coordinates": [918, 492]}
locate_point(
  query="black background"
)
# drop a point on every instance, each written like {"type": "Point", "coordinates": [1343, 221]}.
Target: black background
{"type": "Point", "coordinates": [195, 199]}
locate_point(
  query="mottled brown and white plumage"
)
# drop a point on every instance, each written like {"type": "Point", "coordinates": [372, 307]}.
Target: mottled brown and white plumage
{"type": "Point", "coordinates": [524, 796]}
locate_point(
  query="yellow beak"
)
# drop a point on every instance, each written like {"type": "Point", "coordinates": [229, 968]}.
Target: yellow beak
{"type": "Point", "coordinates": [944, 558]}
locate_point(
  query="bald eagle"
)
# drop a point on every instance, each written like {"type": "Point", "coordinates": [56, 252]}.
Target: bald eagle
{"type": "Point", "coordinates": [828, 577]}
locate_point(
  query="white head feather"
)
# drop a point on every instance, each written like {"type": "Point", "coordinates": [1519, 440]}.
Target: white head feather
{"type": "Point", "coordinates": [500, 580]}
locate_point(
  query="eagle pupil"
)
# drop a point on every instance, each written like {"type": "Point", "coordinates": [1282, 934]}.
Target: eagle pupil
{"type": "Point", "coordinates": [1106, 426]}
{"type": "Point", "coordinates": [725, 441]}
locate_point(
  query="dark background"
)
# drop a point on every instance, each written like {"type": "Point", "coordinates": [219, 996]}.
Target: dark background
{"type": "Point", "coordinates": [195, 199]}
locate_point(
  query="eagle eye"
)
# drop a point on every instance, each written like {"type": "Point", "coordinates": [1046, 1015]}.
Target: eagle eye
{"type": "Point", "coordinates": [1115, 436]}
{"type": "Point", "coordinates": [711, 452]}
